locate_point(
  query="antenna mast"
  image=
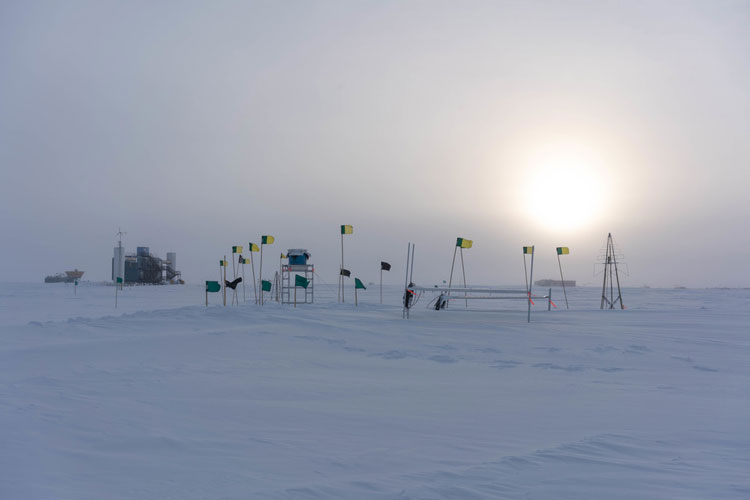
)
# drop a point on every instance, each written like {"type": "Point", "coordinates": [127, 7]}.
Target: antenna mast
{"type": "Point", "coordinates": [611, 276]}
{"type": "Point", "coordinates": [120, 254]}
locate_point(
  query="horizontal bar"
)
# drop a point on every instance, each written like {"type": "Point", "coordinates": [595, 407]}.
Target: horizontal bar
{"type": "Point", "coordinates": [467, 290]}
{"type": "Point", "coordinates": [469, 297]}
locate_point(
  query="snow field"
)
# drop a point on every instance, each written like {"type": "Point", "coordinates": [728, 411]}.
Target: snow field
{"type": "Point", "coordinates": [327, 401]}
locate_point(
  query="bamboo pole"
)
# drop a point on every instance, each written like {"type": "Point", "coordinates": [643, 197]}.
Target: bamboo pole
{"type": "Point", "coordinates": [341, 276]}
{"type": "Point", "coordinates": [450, 280]}
{"type": "Point", "coordinates": [531, 277]}
{"type": "Point", "coordinates": [405, 312]}
{"type": "Point", "coordinates": [562, 280]}
{"type": "Point", "coordinates": [260, 272]}
{"type": "Point", "coordinates": [525, 273]}
{"type": "Point", "coordinates": [463, 270]}
{"type": "Point", "coordinates": [252, 266]}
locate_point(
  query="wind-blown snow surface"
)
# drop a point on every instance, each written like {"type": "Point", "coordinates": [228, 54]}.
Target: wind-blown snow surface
{"type": "Point", "coordinates": [329, 401]}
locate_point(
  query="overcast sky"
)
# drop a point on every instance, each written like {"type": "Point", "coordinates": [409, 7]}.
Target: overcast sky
{"type": "Point", "coordinates": [196, 126]}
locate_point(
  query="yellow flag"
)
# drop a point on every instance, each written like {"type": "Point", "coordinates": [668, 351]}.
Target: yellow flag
{"type": "Point", "coordinates": [266, 240]}
{"type": "Point", "coordinates": [237, 249]}
{"type": "Point", "coordinates": [347, 229]}
{"type": "Point", "coordinates": [464, 243]}
{"type": "Point", "coordinates": [254, 248]}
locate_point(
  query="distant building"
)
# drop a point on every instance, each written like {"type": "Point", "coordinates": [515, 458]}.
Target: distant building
{"type": "Point", "coordinates": [568, 283]}
{"type": "Point", "coordinates": [145, 268]}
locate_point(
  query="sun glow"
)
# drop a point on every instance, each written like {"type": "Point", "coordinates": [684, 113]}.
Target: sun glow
{"type": "Point", "coordinates": [563, 188]}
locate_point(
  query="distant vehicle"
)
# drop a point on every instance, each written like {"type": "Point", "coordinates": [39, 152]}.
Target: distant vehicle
{"type": "Point", "coordinates": [66, 277]}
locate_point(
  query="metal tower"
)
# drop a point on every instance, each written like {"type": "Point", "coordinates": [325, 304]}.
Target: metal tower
{"type": "Point", "coordinates": [611, 276]}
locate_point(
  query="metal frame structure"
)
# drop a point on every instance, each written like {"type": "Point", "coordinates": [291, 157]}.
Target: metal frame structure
{"type": "Point", "coordinates": [469, 293]}
{"type": "Point", "coordinates": [611, 275]}
{"type": "Point", "coordinates": [287, 283]}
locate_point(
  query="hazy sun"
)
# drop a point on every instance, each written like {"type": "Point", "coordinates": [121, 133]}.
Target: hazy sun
{"type": "Point", "coordinates": [563, 187]}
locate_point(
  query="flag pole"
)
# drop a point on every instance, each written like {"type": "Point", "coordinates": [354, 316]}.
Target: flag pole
{"type": "Point", "coordinates": [220, 282]}
{"type": "Point", "coordinates": [116, 294]}
{"type": "Point", "coordinates": [525, 273]}
{"type": "Point", "coordinates": [450, 280]}
{"type": "Point", "coordinates": [381, 283]}
{"type": "Point", "coordinates": [243, 281]}
{"type": "Point", "coordinates": [295, 295]}
{"type": "Point", "coordinates": [341, 277]}
{"type": "Point", "coordinates": [206, 296]}
{"type": "Point", "coordinates": [562, 280]}
{"type": "Point", "coordinates": [260, 272]}
{"type": "Point", "coordinates": [252, 266]}
{"type": "Point", "coordinates": [463, 270]}
{"type": "Point", "coordinates": [225, 281]}
{"type": "Point", "coordinates": [531, 277]}
{"type": "Point", "coordinates": [234, 276]}
{"type": "Point", "coordinates": [355, 295]}
{"type": "Point", "coordinates": [406, 282]}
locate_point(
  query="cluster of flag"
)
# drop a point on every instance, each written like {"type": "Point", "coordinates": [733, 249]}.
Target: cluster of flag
{"type": "Point", "coordinates": [560, 251]}
{"type": "Point", "coordinates": [346, 273]}
{"type": "Point", "coordinates": [216, 286]}
{"type": "Point", "coordinates": [261, 285]}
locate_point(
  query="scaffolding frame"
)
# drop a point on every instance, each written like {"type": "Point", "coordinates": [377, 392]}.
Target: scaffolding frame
{"type": "Point", "coordinates": [305, 295]}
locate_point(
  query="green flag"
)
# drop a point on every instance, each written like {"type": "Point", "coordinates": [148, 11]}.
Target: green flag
{"type": "Point", "coordinates": [213, 286]}
{"type": "Point", "coordinates": [266, 286]}
{"type": "Point", "coordinates": [301, 281]}
{"type": "Point", "coordinates": [119, 279]}
{"type": "Point", "coordinates": [359, 284]}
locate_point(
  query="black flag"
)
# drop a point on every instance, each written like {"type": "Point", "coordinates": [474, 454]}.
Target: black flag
{"type": "Point", "coordinates": [233, 284]}
{"type": "Point", "coordinates": [345, 272]}
{"type": "Point", "coordinates": [384, 266]}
